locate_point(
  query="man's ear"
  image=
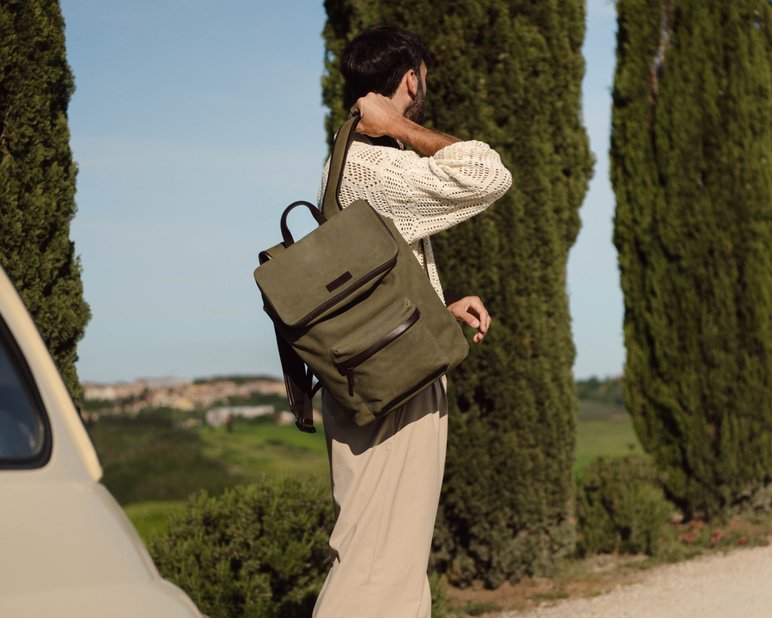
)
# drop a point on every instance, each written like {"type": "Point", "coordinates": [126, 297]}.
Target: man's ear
{"type": "Point", "coordinates": [411, 83]}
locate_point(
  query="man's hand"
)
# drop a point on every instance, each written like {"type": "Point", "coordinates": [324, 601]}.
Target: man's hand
{"type": "Point", "coordinates": [380, 116]}
{"type": "Point", "coordinates": [471, 311]}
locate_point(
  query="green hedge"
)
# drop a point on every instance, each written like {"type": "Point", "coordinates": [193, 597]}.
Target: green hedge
{"type": "Point", "coordinates": [257, 551]}
{"type": "Point", "coordinates": [621, 507]}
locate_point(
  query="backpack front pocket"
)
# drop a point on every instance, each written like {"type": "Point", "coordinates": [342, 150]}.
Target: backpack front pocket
{"type": "Point", "coordinates": [389, 358]}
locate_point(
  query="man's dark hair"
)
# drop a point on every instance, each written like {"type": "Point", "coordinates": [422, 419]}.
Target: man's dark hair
{"type": "Point", "coordinates": [376, 60]}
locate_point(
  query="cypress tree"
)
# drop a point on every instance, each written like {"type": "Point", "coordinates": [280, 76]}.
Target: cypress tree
{"type": "Point", "coordinates": [37, 176]}
{"type": "Point", "coordinates": [691, 154]}
{"type": "Point", "coordinates": [508, 73]}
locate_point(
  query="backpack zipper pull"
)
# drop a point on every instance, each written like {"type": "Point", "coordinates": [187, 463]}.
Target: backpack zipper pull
{"type": "Point", "coordinates": [350, 378]}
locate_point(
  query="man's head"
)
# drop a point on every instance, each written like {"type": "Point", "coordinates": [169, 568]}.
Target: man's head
{"type": "Point", "coordinates": [380, 60]}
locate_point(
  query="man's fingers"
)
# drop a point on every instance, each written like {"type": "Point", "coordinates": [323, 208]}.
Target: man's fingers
{"type": "Point", "coordinates": [486, 323]}
{"type": "Point", "coordinates": [471, 311]}
{"type": "Point", "coordinates": [470, 319]}
{"type": "Point", "coordinates": [483, 321]}
{"type": "Point", "coordinates": [476, 307]}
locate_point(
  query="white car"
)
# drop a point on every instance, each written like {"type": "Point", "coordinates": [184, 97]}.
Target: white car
{"type": "Point", "coordinates": [66, 547]}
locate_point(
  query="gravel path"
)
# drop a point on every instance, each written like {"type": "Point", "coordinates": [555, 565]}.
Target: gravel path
{"type": "Point", "coordinates": [734, 585]}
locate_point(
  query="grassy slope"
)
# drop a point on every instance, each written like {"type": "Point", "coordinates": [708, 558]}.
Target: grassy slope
{"type": "Point", "coordinates": [252, 450]}
{"type": "Point", "coordinates": [151, 466]}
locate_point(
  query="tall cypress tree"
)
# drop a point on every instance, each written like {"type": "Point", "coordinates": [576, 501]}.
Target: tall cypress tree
{"type": "Point", "coordinates": [37, 176]}
{"type": "Point", "coordinates": [508, 73]}
{"type": "Point", "coordinates": [691, 166]}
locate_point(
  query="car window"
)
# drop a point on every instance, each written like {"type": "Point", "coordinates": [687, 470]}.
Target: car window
{"type": "Point", "coordinates": [22, 420]}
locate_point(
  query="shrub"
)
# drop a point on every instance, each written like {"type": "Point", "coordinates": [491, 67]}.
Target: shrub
{"type": "Point", "coordinates": [621, 506]}
{"type": "Point", "coordinates": [440, 596]}
{"type": "Point", "coordinates": [257, 551]}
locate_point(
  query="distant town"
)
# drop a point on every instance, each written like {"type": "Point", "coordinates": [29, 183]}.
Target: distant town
{"type": "Point", "coordinates": [220, 399]}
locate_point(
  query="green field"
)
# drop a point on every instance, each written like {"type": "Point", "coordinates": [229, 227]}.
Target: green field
{"type": "Point", "coordinates": [152, 465]}
{"type": "Point", "coordinates": [251, 450]}
{"type": "Point", "coordinates": [603, 431]}
{"type": "Point", "coordinates": [152, 518]}
{"type": "Point", "coordinates": [612, 438]}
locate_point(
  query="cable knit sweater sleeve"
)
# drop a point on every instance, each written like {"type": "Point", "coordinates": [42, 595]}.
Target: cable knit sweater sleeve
{"type": "Point", "coordinates": [425, 195]}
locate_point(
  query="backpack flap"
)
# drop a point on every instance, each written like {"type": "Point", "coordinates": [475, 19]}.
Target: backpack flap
{"type": "Point", "coordinates": [333, 265]}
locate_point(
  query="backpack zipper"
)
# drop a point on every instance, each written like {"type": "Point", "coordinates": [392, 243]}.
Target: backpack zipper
{"type": "Point", "coordinates": [358, 283]}
{"type": "Point", "coordinates": [347, 367]}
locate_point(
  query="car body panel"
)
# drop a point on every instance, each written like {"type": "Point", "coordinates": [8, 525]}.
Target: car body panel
{"type": "Point", "coordinates": [73, 457]}
{"type": "Point", "coordinates": [66, 546]}
{"type": "Point", "coordinates": [156, 599]}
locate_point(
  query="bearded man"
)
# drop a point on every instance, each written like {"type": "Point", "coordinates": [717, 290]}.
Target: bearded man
{"type": "Point", "coordinates": [387, 475]}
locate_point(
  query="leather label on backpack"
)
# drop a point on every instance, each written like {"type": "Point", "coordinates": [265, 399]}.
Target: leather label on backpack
{"type": "Point", "coordinates": [339, 281]}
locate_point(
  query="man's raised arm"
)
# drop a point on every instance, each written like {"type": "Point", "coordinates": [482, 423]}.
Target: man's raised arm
{"type": "Point", "coordinates": [381, 117]}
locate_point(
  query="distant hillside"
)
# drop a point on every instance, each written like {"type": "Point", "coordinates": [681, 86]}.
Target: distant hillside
{"type": "Point", "coordinates": [238, 378]}
{"type": "Point", "coordinates": [608, 390]}
{"type": "Point", "coordinates": [600, 399]}
{"type": "Point", "coordinates": [184, 395]}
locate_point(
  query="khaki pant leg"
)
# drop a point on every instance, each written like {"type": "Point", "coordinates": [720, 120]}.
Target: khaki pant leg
{"type": "Point", "coordinates": [386, 480]}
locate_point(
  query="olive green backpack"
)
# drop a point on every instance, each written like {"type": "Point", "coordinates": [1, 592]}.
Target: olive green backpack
{"type": "Point", "coordinates": [352, 306]}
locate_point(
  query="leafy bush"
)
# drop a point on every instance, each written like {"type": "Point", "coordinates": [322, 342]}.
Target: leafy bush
{"type": "Point", "coordinates": [621, 507]}
{"type": "Point", "coordinates": [440, 596]}
{"type": "Point", "coordinates": [257, 551]}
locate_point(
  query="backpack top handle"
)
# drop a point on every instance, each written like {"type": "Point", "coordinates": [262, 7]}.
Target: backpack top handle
{"type": "Point", "coordinates": [286, 236]}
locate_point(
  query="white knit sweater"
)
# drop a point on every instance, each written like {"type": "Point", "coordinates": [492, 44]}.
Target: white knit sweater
{"type": "Point", "coordinates": [423, 195]}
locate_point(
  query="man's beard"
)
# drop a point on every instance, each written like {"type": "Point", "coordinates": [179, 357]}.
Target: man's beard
{"type": "Point", "coordinates": [415, 111]}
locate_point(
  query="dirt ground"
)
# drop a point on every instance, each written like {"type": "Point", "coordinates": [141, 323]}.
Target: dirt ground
{"type": "Point", "coordinates": [594, 577]}
{"type": "Point", "coordinates": [728, 585]}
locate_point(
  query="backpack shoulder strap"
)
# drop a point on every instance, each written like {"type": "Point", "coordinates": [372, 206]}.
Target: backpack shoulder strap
{"type": "Point", "coordinates": [298, 379]}
{"type": "Point", "coordinates": [298, 382]}
{"type": "Point", "coordinates": [331, 200]}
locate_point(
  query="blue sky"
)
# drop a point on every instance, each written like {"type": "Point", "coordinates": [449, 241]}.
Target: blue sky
{"type": "Point", "coordinates": [194, 124]}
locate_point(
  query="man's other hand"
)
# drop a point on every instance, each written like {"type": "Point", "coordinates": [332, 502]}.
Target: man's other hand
{"type": "Point", "coordinates": [471, 311]}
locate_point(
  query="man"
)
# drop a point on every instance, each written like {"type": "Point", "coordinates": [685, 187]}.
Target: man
{"type": "Point", "coordinates": [386, 476]}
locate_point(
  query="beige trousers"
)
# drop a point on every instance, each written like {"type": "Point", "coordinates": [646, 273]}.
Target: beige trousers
{"type": "Point", "coordinates": [386, 481]}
